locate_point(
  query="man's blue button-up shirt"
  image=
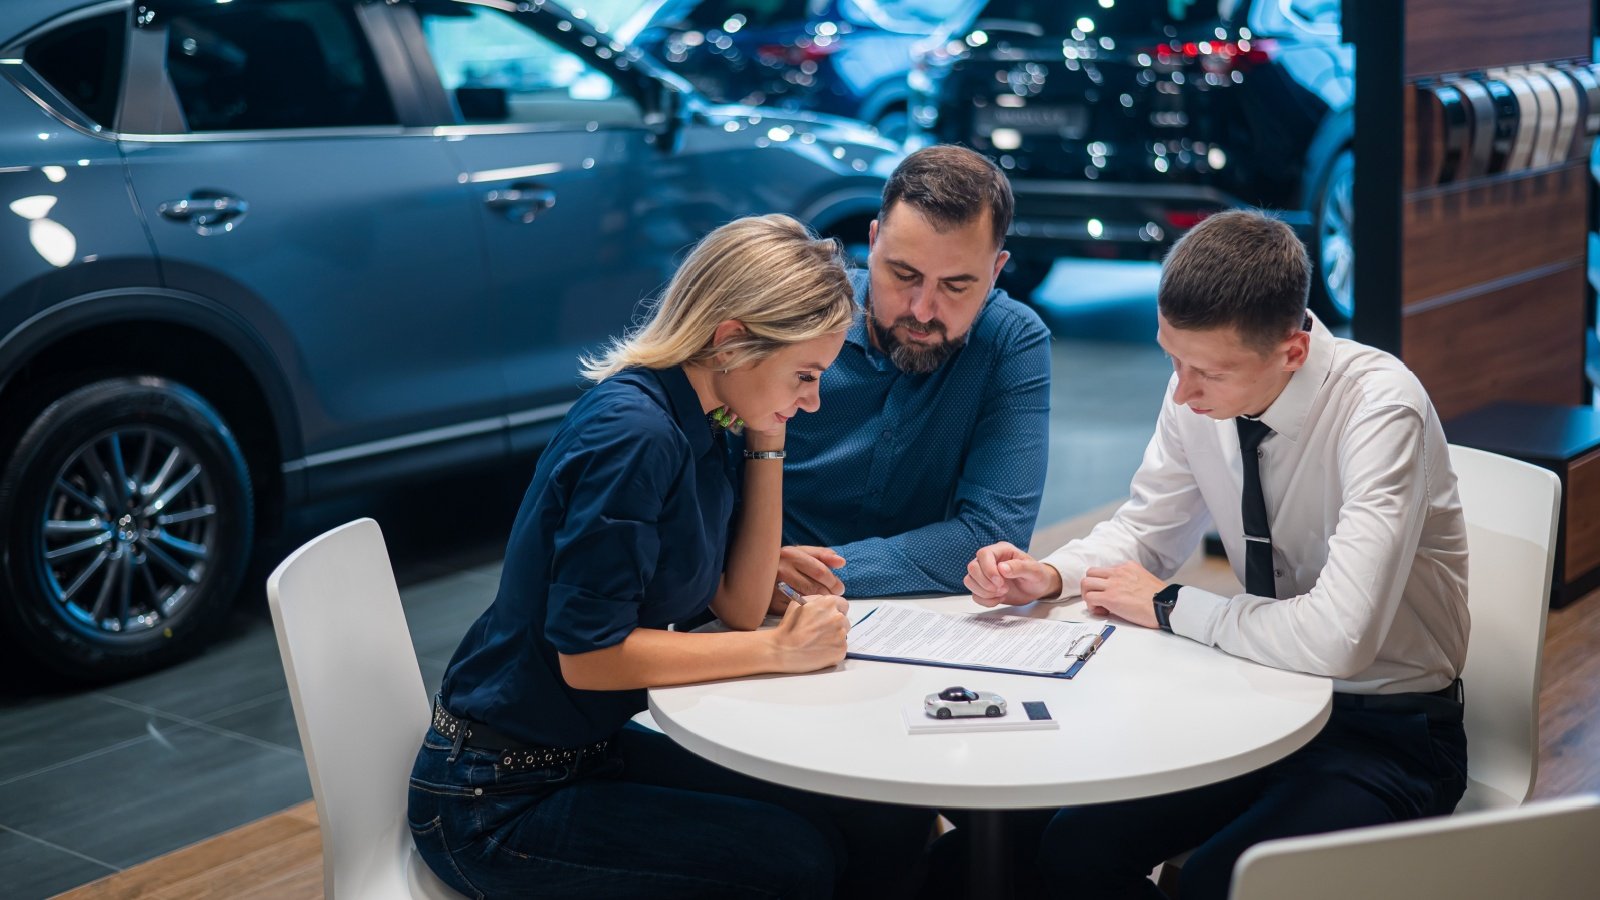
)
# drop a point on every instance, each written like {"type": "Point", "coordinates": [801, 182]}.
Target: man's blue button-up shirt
{"type": "Point", "coordinates": [907, 476]}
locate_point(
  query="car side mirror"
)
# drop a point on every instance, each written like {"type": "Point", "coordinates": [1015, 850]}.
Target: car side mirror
{"type": "Point", "coordinates": [483, 104]}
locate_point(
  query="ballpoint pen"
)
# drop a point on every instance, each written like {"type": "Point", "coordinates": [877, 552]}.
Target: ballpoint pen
{"type": "Point", "coordinates": [792, 594]}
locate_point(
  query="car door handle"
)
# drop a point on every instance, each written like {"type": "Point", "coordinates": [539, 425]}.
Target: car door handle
{"type": "Point", "coordinates": [208, 212]}
{"type": "Point", "coordinates": [521, 202]}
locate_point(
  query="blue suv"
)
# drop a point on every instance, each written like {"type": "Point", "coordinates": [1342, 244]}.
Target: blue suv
{"type": "Point", "coordinates": [259, 252]}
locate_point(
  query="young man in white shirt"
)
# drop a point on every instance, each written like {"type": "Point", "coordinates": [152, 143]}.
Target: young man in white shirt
{"type": "Point", "coordinates": [1324, 468]}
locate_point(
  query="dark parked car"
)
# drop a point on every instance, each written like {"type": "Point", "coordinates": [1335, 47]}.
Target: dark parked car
{"type": "Point", "coordinates": [844, 57]}
{"type": "Point", "coordinates": [1122, 123]}
{"type": "Point", "coordinates": [264, 251]}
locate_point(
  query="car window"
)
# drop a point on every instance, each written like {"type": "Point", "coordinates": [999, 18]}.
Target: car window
{"type": "Point", "coordinates": [291, 64]}
{"type": "Point", "coordinates": [83, 62]}
{"type": "Point", "coordinates": [497, 69]}
{"type": "Point", "coordinates": [606, 15]}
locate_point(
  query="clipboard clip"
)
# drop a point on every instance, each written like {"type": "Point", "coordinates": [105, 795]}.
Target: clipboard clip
{"type": "Point", "coordinates": [1085, 646]}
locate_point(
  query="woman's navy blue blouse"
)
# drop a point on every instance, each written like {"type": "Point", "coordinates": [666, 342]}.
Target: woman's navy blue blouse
{"type": "Point", "coordinates": [625, 526]}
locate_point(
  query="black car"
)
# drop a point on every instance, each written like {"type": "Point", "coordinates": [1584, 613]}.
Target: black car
{"type": "Point", "coordinates": [1122, 123]}
{"type": "Point", "coordinates": [843, 57]}
{"type": "Point", "coordinates": [261, 252]}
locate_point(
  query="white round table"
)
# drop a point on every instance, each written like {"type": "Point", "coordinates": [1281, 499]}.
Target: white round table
{"type": "Point", "coordinates": [1150, 713]}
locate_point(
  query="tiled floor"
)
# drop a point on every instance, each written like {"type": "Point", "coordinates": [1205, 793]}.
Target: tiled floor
{"type": "Point", "coordinates": [92, 782]}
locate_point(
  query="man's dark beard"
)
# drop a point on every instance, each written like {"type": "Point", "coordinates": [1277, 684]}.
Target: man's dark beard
{"type": "Point", "coordinates": [913, 358]}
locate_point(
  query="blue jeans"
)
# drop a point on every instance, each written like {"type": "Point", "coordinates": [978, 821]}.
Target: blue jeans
{"type": "Point", "coordinates": [649, 819]}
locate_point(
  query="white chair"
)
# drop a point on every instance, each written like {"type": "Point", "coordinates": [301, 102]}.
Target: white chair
{"type": "Point", "coordinates": [1511, 508]}
{"type": "Point", "coordinates": [360, 706]}
{"type": "Point", "coordinates": [1542, 851]}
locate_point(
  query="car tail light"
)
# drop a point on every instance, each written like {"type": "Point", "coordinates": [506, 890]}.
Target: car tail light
{"type": "Point", "coordinates": [795, 54]}
{"type": "Point", "coordinates": [1221, 57]}
{"type": "Point", "coordinates": [1185, 219]}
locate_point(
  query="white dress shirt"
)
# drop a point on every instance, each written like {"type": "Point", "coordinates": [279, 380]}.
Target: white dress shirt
{"type": "Point", "coordinates": [1368, 541]}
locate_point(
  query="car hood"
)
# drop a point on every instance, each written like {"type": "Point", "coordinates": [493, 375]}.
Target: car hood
{"type": "Point", "coordinates": [821, 127]}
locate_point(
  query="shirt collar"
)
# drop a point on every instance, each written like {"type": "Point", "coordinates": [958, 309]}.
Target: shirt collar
{"type": "Point", "coordinates": [686, 409]}
{"type": "Point", "coordinates": [1287, 414]}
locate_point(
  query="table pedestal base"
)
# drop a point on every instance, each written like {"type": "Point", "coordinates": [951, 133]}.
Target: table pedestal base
{"type": "Point", "coordinates": [988, 867]}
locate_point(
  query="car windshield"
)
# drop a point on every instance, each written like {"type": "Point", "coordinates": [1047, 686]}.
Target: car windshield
{"type": "Point", "coordinates": [605, 15]}
{"type": "Point", "coordinates": [1061, 16]}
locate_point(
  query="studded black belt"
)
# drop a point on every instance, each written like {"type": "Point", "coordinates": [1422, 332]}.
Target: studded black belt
{"type": "Point", "coordinates": [512, 753]}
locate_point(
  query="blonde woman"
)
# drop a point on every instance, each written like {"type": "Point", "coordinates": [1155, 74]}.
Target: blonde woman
{"type": "Point", "coordinates": [531, 781]}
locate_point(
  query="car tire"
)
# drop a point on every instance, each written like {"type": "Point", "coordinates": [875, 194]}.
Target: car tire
{"type": "Point", "coordinates": [1022, 276]}
{"type": "Point", "coordinates": [992, 712]}
{"type": "Point", "coordinates": [131, 518]}
{"type": "Point", "coordinates": [1332, 250]}
{"type": "Point", "coordinates": [943, 713]}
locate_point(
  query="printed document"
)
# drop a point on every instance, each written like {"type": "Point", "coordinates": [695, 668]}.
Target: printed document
{"type": "Point", "coordinates": [1042, 646]}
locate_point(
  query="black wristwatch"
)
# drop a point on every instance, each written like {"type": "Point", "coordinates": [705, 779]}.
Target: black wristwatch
{"type": "Point", "coordinates": [1165, 599]}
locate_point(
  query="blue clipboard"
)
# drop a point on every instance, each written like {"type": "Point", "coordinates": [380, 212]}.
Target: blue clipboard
{"type": "Point", "coordinates": [1082, 655]}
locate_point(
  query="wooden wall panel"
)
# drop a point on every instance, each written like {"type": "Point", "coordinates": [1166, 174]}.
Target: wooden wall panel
{"type": "Point", "coordinates": [1413, 156]}
{"type": "Point", "coordinates": [1583, 516]}
{"type": "Point", "coordinates": [1523, 342]}
{"type": "Point", "coordinates": [1491, 229]}
{"type": "Point", "coordinates": [1462, 35]}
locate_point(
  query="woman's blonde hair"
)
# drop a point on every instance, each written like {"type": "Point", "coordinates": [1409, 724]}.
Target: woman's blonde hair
{"type": "Point", "coordinates": [768, 272]}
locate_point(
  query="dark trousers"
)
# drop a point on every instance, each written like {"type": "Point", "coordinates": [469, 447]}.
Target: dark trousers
{"type": "Point", "coordinates": [649, 819]}
{"type": "Point", "coordinates": [1366, 767]}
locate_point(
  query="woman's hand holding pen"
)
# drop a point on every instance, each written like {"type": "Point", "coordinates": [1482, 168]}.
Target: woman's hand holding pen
{"type": "Point", "coordinates": [812, 635]}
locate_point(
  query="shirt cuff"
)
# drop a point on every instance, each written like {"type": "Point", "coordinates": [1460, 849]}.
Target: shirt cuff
{"type": "Point", "coordinates": [1065, 594]}
{"type": "Point", "coordinates": [1196, 613]}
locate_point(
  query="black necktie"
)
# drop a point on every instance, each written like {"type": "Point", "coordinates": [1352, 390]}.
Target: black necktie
{"type": "Point", "coordinates": [1258, 578]}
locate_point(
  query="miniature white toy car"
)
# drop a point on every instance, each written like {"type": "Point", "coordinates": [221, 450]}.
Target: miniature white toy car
{"type": "Point", "coordinates": [958, 701]}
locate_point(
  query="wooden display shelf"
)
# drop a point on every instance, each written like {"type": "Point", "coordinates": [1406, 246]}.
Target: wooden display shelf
{"type": "Point", "coordinates": [1518, 342]}
{"type": "Point", "coordinates": [1493, 228]}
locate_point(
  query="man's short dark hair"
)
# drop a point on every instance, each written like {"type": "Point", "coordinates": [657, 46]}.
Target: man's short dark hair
{"type": "Point", "coordinates": [951, 186]}
{"type": "Point", "coordinates": [1242, 269]}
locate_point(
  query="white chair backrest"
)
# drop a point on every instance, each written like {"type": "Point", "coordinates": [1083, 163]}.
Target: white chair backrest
{"type": "Point", "coordinates": [1511, 509]}
{"type": "Point", "coordinates": [360, 706]}
{"type": "Point", "coordinates": [1542, 851]}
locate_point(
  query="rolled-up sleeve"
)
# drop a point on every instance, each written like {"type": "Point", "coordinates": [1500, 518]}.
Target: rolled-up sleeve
{"type": "Point", "coordinates": [605, 551]}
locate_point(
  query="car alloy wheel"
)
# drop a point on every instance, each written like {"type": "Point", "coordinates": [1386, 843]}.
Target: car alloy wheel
{"type": "Point", "coordinates": [1335, 240]}
{"type": "Point", "coordinates": [128, 527]}
{"type": "Point", "coordinates": [133, 520]}
{"type": "Point", "coordinates": [992, 712]}
{"type": "Point", "coordinates": [944, 713]}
